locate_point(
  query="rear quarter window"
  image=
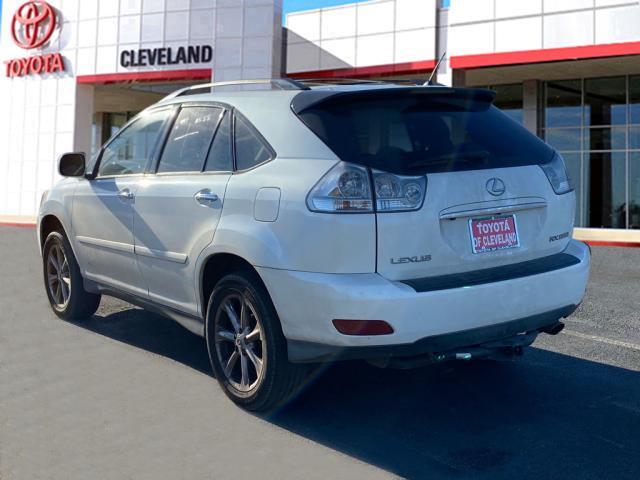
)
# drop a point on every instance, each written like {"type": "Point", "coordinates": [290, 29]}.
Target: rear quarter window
{"type": "Point", "coordinates": [251, 149]}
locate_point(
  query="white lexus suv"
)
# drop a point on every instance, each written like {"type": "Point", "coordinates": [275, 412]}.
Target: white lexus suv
{"type": "Point", "coordinates": [291, 223]}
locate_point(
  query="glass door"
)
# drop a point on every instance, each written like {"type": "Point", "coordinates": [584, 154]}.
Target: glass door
{"type": "Point", "coordinates": [595, 124]}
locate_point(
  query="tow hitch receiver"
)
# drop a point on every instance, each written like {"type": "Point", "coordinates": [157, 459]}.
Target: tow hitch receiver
{"type": "Point", "coordinates": [502, 349]}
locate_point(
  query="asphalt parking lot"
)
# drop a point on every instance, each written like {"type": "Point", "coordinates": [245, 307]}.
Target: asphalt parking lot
{"type": "Point", "coordinates": [129, 394]}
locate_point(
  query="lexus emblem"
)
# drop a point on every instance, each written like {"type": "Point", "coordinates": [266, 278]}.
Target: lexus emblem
{"type": "Point", "coordinates": [496, 187]}
{"type": "Point", "coordinates": [33, 24]}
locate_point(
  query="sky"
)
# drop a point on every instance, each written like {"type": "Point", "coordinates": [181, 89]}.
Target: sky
{"type": "Point", "coordinates": [297, 5]}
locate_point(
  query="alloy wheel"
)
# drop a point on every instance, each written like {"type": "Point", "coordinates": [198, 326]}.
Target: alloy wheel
{"type": "Point", "coordinates": [58, 277]}
{"type": "Point", "coordinates": [239, 342]}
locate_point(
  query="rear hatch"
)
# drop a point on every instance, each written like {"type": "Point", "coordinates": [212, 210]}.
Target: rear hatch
{"type": "Point", "coordinates": [487, 203]}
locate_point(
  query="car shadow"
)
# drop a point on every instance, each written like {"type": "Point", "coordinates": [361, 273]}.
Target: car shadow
{"type": "Point", "coordinates": [546, 415]}
{"type": "Point", "coordinates": [153, 333]}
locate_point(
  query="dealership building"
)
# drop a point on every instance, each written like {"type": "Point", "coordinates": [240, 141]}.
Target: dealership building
{"type": "Point", "coordinates": [76, 70]}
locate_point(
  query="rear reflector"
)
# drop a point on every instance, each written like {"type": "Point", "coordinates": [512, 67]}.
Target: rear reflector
{"type": "Point", "coordinates": [363, 327]}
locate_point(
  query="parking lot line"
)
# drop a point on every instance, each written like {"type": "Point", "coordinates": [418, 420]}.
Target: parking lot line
{"type": "Point", "coordinates": [608, 341]}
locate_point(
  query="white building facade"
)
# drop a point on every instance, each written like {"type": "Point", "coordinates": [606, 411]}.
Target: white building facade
{"type": "Point", "coordinates": [568, 70]}
{"type": "Point", "coordinates": [115, 53]}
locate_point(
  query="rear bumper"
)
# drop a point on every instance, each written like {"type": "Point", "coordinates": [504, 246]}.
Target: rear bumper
{"type": "Point", "coordinates": [443, 344]}
{"type": "Point", "coordinates": [423, 322]}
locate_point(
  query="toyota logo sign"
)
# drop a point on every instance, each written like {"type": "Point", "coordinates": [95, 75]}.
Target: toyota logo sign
{"type": "Point", "coordinates": [33, 24]}
{"type": "Point", "coordinates": [31, 27]}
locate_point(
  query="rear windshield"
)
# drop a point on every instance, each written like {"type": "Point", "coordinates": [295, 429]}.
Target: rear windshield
{"type": "Point", "coordinates": [412, 134]}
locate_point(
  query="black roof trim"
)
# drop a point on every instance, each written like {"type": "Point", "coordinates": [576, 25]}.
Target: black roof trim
{"type": "Point", "coordinates": [311, 98]}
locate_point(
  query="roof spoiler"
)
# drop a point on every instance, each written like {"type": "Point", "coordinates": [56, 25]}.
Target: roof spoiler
{"type": "Point", "coordinates": [313, 98]}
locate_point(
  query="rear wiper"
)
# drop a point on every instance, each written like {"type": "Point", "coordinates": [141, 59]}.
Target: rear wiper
{"type": "Point", "coordinates": [479, 155]}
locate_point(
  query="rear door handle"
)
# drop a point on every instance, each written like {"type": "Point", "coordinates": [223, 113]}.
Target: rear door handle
{"type": "Point", "coordinates": [206, 197]}
{"type": "Point", "coordinates": [125, 194]}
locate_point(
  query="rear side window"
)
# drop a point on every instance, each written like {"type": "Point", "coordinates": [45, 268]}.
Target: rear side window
{"type": "Point", "coordinates": [411, 134]}
{"type": "Point", "coordinates": [129, 152]}
{"type": "Point", "coordinates": [220, 158]}
{"type": "Point", "coordinates": [251, 150]}
{"type": "Point", "coordinates": [190, 139]}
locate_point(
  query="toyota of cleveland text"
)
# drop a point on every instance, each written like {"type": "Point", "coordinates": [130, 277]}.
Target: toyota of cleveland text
{"type": "Point", "coordinates": [293, 223]}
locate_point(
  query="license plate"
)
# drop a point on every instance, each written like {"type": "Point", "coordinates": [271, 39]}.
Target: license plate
{"type": "Point", "coordinates": [495, 233]}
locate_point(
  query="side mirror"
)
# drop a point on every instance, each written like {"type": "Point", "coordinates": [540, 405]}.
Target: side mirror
{"type": "Point", "coordinates": [72, 165]}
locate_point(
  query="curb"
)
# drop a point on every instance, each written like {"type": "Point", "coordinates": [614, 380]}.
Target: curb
{"type": "Point", "coordinates": [604, 243]}
{"type": "Point", "coordinates": [17, 225]}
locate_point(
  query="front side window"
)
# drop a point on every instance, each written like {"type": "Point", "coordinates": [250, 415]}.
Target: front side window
{"type": "Point", "coordinates": [250, 148]}
{"type": "Point", "coordinates": [190, 139]}
{"type": "Point", "coordinates": [130, 151]}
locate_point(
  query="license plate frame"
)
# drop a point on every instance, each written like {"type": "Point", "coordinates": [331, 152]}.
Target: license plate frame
{"type": "Point", "coordinates": [479, 245]}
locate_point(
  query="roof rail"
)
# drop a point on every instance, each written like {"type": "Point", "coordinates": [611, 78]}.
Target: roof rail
{"type": "Point", "coordinates": [338, 81]}
{"type": "Point", "coordinates": [279, 83]}
{"type": "Point", "coordinates": [358, 81]}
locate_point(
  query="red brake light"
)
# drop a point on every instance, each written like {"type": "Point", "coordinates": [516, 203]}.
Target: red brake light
{"type": "Point", "coordinates": [363, 327]}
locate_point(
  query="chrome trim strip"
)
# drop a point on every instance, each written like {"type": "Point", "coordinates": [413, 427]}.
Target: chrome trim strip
{"type": "Point", "coordinates": [161, 254]}
{"type": "Point", "coordinates": [492, 211]}
{"type": "Point", "coordinates": [98, 242]}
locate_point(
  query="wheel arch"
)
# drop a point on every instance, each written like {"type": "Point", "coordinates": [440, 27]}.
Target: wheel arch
{"type": "Point", "coordinates": [48, 224]}
{"type": "Point", "coordinates": [51, 222]}
{"type": "Point", "coordinates": [214, 267]}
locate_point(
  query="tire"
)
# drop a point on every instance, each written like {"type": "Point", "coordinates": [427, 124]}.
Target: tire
{"type": "Point", "coordinates": [63, 281]}
{"type": "Point", "coordinates": [270, 383]}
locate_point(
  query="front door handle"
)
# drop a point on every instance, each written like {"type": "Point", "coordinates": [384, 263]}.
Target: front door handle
{"type": "Point", "coordinates": [206, 197]}
{"type": "Point", "coordinates": [125, 194]}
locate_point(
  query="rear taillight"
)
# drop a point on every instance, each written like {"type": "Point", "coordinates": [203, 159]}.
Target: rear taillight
{"type": "Point", "coordinates": [346, 188]}
{"type": "Point", "coordinates": [556, 172]}
{"type": "Point", "coordinates": [395, 193]}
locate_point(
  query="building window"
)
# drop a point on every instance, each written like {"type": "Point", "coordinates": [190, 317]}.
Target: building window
{"type": "Point", "coordinates": [595, 124]}
{"type": "Point", "coordinates": [509, 99]}
{"type": "Point", "coordinates": [634, 190]}
{"type": "Point", "coordinates": [604, 177]}
{"type": "Point", "coordinates": [106, 125]}
{"type": "Point", "coordinates": [564, 104]}
{"type": "Point", "coordinates": [605, 101]}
